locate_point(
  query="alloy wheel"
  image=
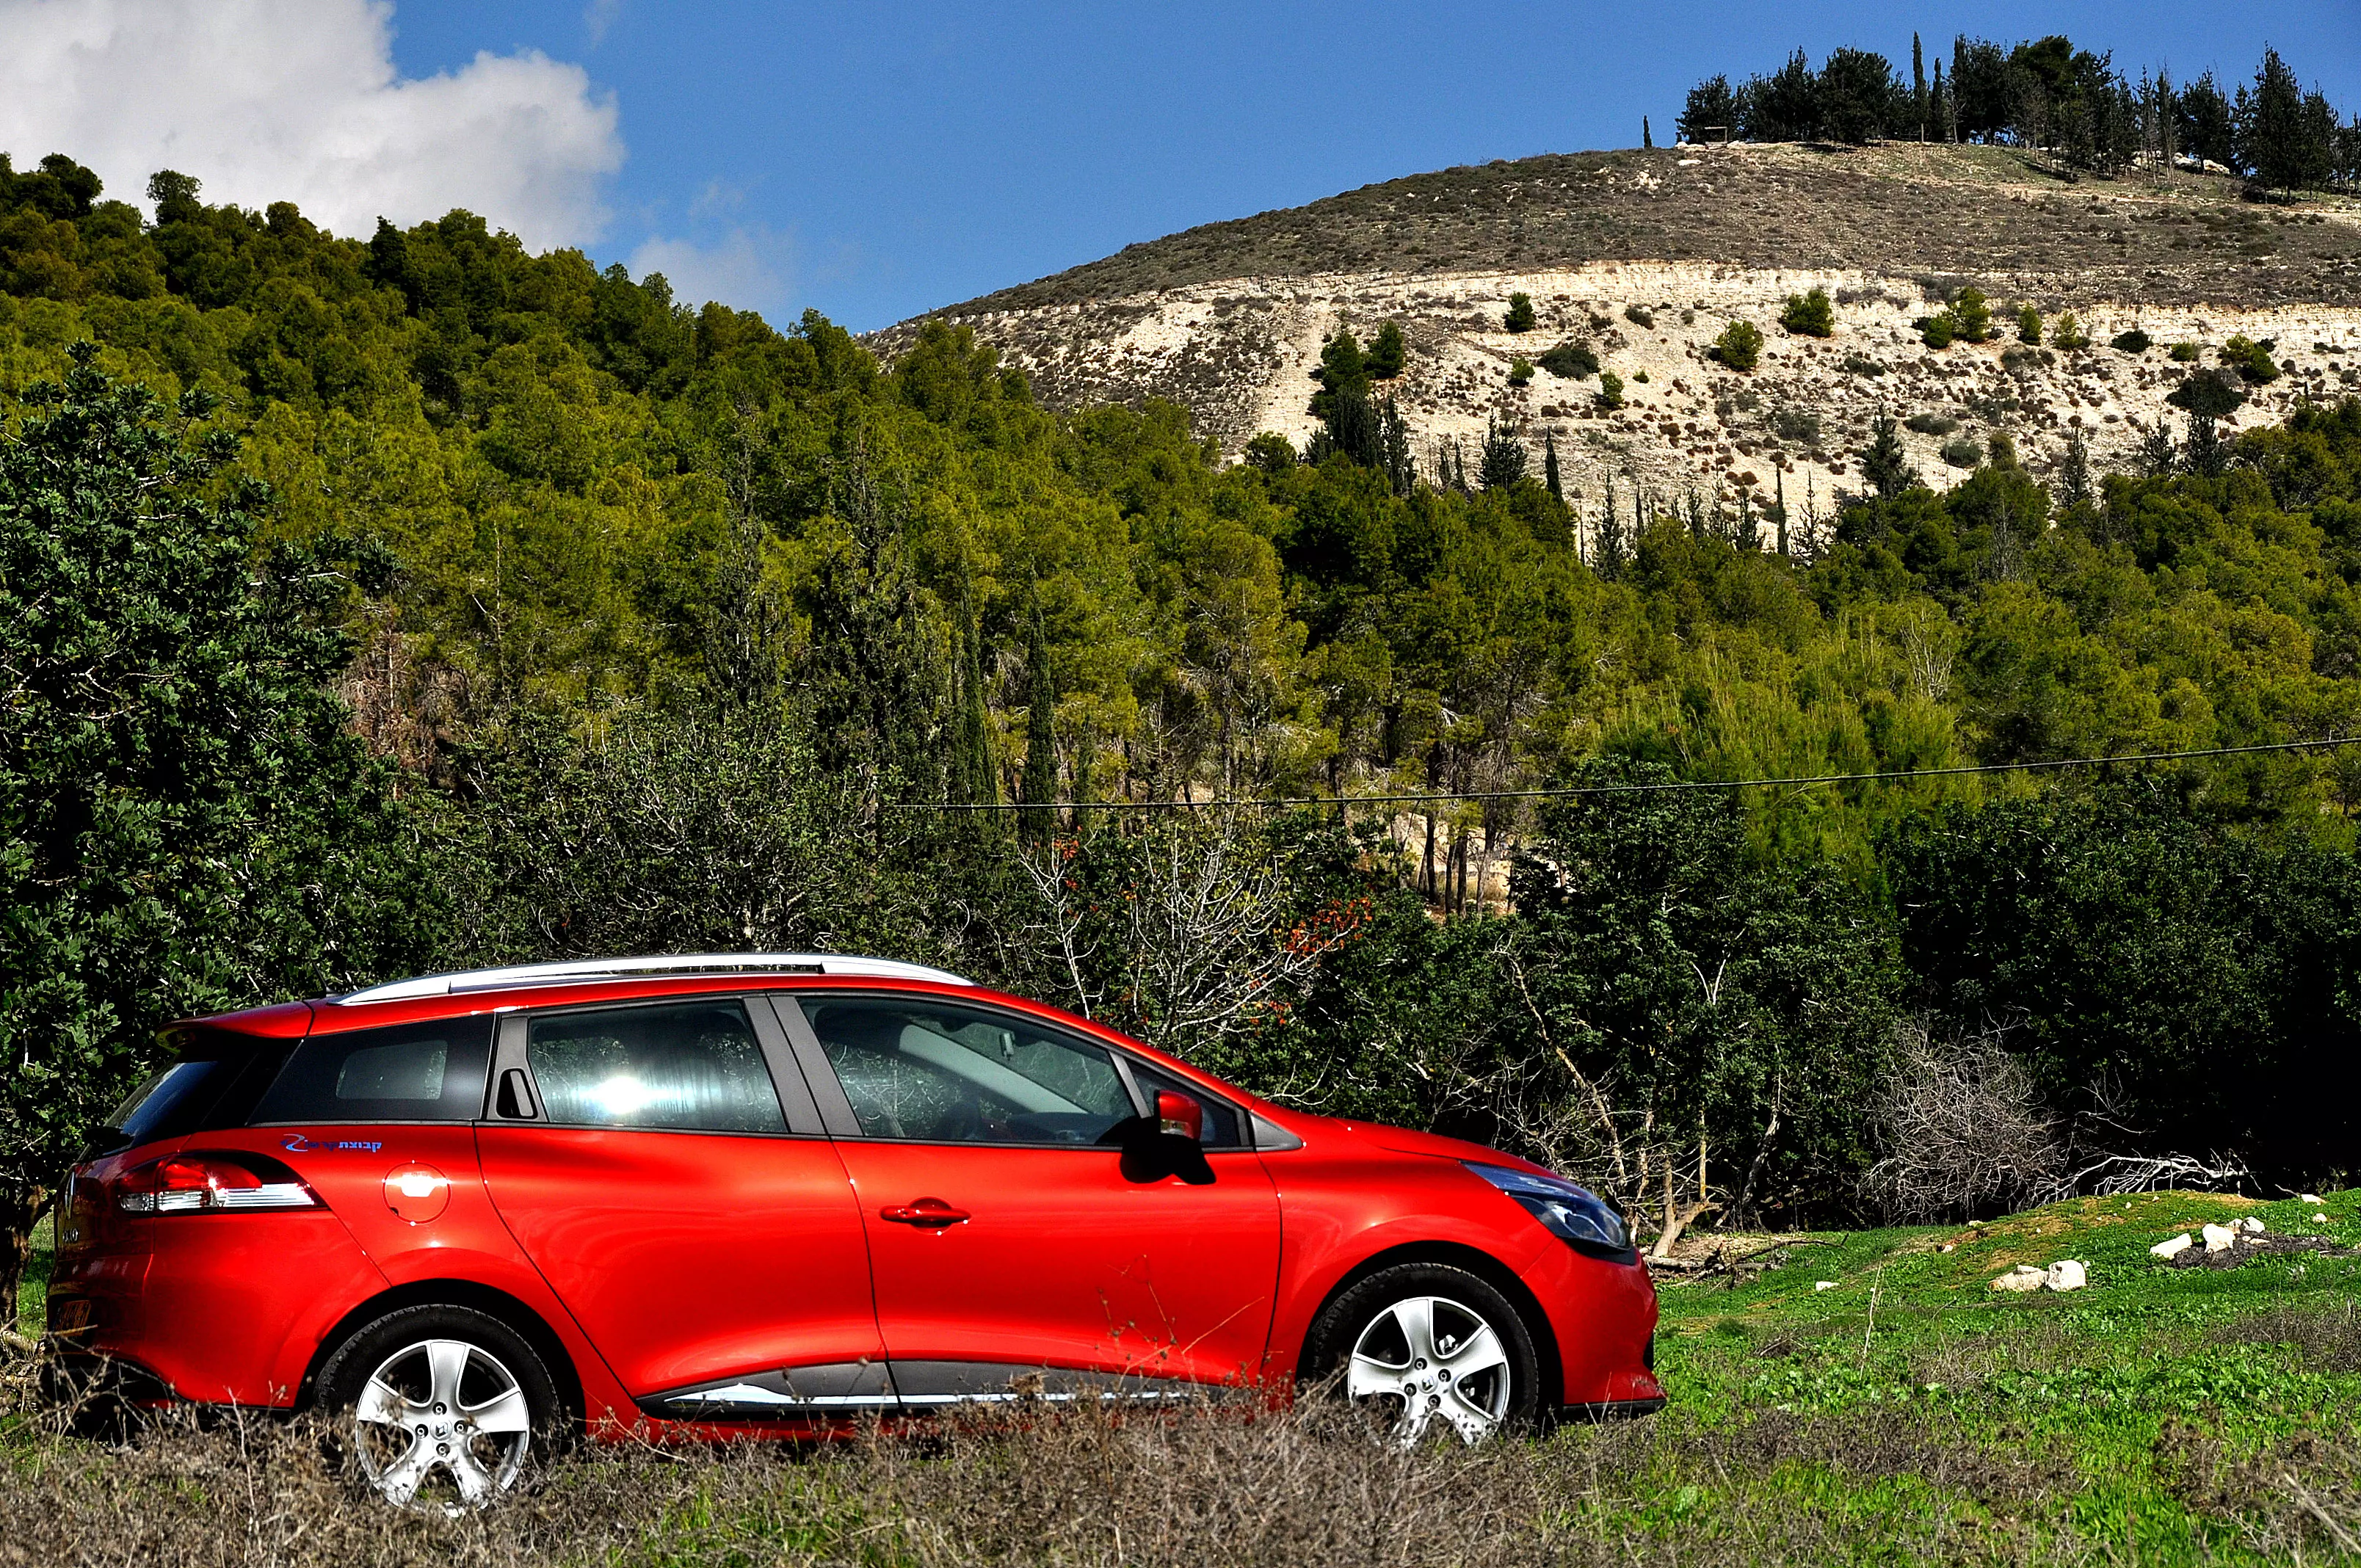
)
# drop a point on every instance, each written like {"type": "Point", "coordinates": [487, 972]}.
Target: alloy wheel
{"type": "Point", "coordinates": [442, 1423]}
{"type": "Point", "coordinates": [1429, 1358]}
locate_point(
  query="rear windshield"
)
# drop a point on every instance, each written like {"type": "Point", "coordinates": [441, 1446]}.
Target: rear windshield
{"type": "Point", "coordinates": [209, 1083]}
{"type": "Point", "coordinates": [405, 1072]}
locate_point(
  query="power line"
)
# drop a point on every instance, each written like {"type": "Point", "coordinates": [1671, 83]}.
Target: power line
{"type": "Point", "coordinates": [1432, 797]}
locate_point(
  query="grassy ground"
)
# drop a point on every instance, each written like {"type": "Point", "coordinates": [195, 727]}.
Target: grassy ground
{"type": "Point", "coordinates": [1903, 1413]}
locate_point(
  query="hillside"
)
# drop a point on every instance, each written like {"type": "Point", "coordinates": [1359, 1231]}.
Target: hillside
{"type": "Point", "coordinates": [1229, 318]}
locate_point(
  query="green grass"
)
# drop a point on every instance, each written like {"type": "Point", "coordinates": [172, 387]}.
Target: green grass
{"type": "Point", "coordinates": [2134, 1413]}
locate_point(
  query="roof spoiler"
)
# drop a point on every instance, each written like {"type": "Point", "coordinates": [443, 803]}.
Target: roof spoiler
{"type": "Point", "coordinates": [572, 969]}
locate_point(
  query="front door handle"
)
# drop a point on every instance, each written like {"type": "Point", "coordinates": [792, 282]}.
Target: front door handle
{"type": "Point", "coordinates": [926, 1213]}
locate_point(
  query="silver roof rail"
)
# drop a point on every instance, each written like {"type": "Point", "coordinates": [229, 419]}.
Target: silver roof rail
{"type": "Point", "coordinates": [649, 967]}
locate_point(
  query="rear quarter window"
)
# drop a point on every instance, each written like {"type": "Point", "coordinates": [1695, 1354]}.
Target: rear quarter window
{"type": "Point", "coordinates": [404, 1072]}
{"type": "Point", "coordinates": [211, 1081]}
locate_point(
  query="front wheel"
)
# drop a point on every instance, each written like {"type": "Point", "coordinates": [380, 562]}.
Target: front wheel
{"type": "Point", "coordinates": [444, 1406]}
{"type": "Point", "coordinates": [1430, 1347]}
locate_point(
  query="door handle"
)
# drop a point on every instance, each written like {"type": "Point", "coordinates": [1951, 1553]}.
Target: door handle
{"type": "Point", "coordinates": [928, 1213]}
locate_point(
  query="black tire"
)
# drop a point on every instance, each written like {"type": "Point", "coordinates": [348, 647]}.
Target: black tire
{"type": "Point", "coordinates": [1359, 1316]}
{"type": "Point", "coordinates": [499, 1359]}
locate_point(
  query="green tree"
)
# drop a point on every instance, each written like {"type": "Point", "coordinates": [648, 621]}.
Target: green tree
{"type": "Point", "coordinates": [1885, 464]}
{"type": "Point", "coordinates": [1387, 352]}
{"type": "Point", "coordinates": [1971, 312]}
{"type": "Point", "coordinates": [1521, 316]}
{"type": "Point", "coordinates": [189, 824]}
{"type": "Point", "coordinates": [1504, 459]}
{"type": "Point", "coordinates": [1610, 390]}
{"type": "Point", "coordinates": [1711, 106]}
{"type": "Point", "coordinates": [1040, 783]}
{"type": "Point", "coordinates": [2028, 325]}
{"type": "Point", "coordinates": [1550, 478]}
{"type": "Point", "coordinates": [2287, 142]}
{"type": "Point", "coordinates": [1858, 95]}
{"type": "Point", "coordinates": [1809, 316]}
{"type": "Point", "coordinates": [1739, 346]}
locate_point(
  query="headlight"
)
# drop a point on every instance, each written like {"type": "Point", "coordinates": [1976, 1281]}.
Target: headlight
{"type": "Point", "coordinates": [1566, 1209]}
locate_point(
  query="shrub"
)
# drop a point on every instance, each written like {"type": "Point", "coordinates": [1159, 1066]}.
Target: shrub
{"type": "Point", "coordinates": [1570, 361]}
{"type": "Point", "coordinates": [1640, 316]}
{"type": "Point", "coordinates": [1521, 314]}
{"type": "Point", "coordinates": [2028, 325]}
{"type": "Point", "coordinates": [1639, 376]}
{"type": "Point", "coordinates": [1932, 424]}
{"type": "Point", "coordinates": [1937, 330]}
{"type": "Point", "coordinates": [1862, 364]}
{"type": "Point", "coordinates": [1973, 313]}
{"type": "Point", "coordinates": [1809, 316]}
{"type": "Point", "coordinates": [1963, 452]}
{"type": "Point", "coordinates": [1966, 1129]}
{"type": "Point", "coordinates": [2132, 342]}
{"type": "Point", "coordinates": [2208, 394]}
{"type": "Point", "coordinates": [1521, 372]}
{"type": "Point", "coordinates": [1798, 425]}
{"type": "Point", "coordinates": [2070, 332]}
{"type": "Point", "coordinates": [2185, 353]}
{"type": "Point", "coordinates": [1739, 346]}
{"type": "Point", "coordinates": [1610, 390]}
{"type": "Point", "coordinates": [2250, 359]}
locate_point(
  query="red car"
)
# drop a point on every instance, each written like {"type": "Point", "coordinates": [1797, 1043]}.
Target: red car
{"type": "Point", "coordinates": [715, 1196]}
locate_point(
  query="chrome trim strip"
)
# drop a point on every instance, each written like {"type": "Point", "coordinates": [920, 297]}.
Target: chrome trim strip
{"type": "Point", "coordinates": [459, 980]}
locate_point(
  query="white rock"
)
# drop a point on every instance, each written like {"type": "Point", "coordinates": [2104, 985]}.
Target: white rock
{"type": "Point", "coordinates": [2251, 1225]}
{"type": "Point", "coordinates": [1824, 1284]}
{"type": "Point", "coordinates": [2220, 1238]}
{"type": "Point", "coordinates": [2024, 1277]}
{"type": "Point", "coordinates": [2320, 1219]}
{"type": "Point", "coordinates": [2172, 1248]}
{"type": "Point", "coordinates": [2067, 1274]}
{"type": "Point", "coordinates": [2310, 1198]}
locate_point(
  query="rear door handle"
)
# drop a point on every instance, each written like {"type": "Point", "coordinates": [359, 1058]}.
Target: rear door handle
{"type": "Point", "coordinates": [926, 1213]}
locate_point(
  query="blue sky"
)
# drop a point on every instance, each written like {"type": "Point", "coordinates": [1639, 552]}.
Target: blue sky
{"type": "Point", "coordinates": [878, 161]}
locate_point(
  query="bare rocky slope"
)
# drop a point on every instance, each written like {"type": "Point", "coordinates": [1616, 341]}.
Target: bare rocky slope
{"type": "Point", "coordinates": [1646, 255]}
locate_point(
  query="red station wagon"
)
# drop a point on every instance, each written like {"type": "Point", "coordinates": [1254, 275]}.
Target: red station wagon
{"type": "Point", "coordinates": [473, 1213]}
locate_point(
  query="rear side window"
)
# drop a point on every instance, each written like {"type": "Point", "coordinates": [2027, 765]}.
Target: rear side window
{"type": "Point", "coordinates": [212, 1081]}
{"type": "Point", "coordinates": [693, 1067]}
{"type": "Point", "coordinates": [404, 1072]}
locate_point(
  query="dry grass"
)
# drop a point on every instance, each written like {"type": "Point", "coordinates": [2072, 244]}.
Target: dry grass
{"type": "Point", "coordinates": [1088, 1488]}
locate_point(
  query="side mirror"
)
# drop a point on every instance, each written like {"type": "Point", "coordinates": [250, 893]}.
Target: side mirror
{"type": "Point", "coordinates": [1180, 1115]}
{"type": "Point", "coordinates": [1150, 1154]}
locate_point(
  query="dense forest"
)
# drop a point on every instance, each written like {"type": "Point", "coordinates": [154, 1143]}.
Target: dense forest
{"type": "Point", "coordinates": [374, 606]}
{"type": "Point", "coordinates": [2046, 96]}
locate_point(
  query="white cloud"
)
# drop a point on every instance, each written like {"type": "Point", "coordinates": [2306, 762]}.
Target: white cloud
{"type": "Point", "coordinates": [299, 100]}
{"type": "Point", "coordinates": [745, 271]}
{"type": "Point", "coordinates": [598, 17]}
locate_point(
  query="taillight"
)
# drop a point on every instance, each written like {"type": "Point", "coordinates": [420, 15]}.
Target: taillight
{"type": "Point", "coordinates": [211, 1183]}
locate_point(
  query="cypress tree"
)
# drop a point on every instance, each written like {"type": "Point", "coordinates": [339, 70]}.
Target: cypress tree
{"type": "Point", "coordinates": [1549, 467]}
{"type": "Point", "coordinates": [1647, 138]}
{"type": "Point", "coordinates": [1040, 787]}
{"type": "Point", "coordinates": [1780, 479]}
{"type": "Point", "coordinates": [1918, 84]}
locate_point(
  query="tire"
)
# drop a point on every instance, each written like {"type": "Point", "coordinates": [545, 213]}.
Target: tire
{"type": "Point", "coordinates": [1429, 1346]}
{"type": "Point", "coordinates": [444, 1409]}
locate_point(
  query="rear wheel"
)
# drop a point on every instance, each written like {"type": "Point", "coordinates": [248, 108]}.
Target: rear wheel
{"type": "Point", "coordinates": [1429, 1348]}
{"type": "Point", "coordinates": [445, 1407]}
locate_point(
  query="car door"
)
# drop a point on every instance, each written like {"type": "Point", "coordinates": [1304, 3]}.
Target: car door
{"type": "Point", "coordinates": [692, 1216]}
{"type": "Point", "coordinates": [1008, 1245]}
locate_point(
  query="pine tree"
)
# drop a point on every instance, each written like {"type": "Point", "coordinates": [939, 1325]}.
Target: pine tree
{"type": "Point", "coordinates": [1886, 464]}
{"type": "Point", "coordinates": [1504, 457]}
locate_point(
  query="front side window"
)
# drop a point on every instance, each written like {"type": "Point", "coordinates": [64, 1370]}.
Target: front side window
{"type": "Point", "coordinates": [676, 1067]}
{"type": "Point", "coordinates": [933, 1074]}
{"type": "Point", "coordinates": [403, 1073]}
